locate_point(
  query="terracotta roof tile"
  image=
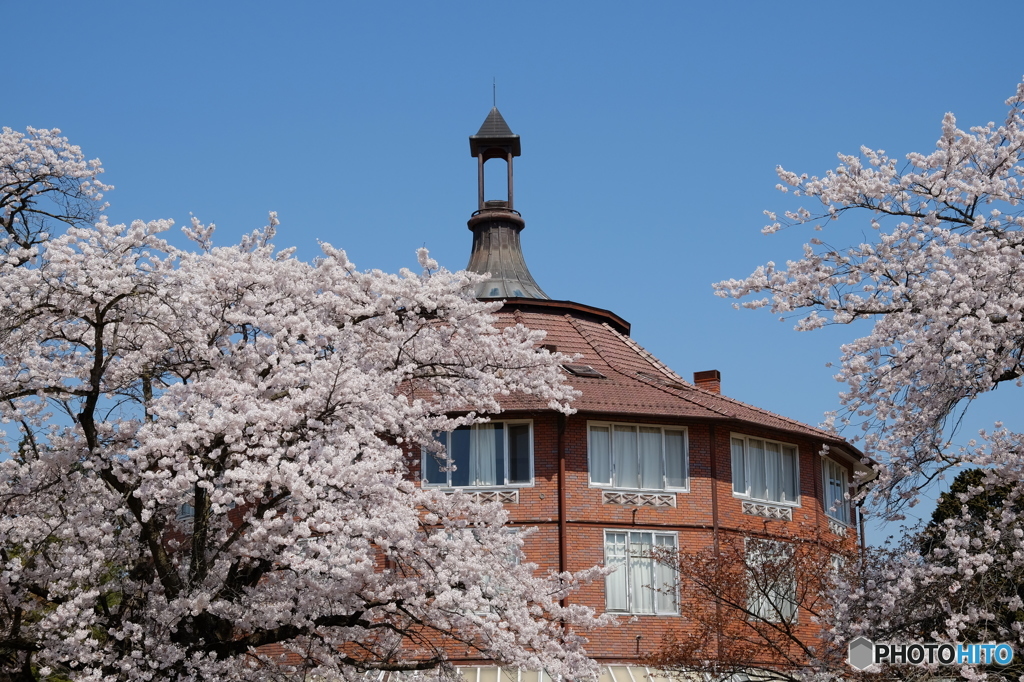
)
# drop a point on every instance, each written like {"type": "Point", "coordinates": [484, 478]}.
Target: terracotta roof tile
{"type": "Point", "coordinates": [637, 382]}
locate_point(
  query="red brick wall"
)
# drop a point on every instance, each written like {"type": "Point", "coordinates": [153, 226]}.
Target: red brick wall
{"type": "Point", "coordinates": [587, 517]}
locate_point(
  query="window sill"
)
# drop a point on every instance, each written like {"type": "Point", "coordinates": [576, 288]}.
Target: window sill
{"type": "Point", "coordinates": [655, 491]}
{"type": "Point", "coordinates": [747, 498]}
{"type": "Point", "coordinates": [474, 488]}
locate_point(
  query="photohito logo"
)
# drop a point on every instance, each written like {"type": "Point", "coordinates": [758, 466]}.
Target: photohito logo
{"type": "Point", "coordinates": [863, 652]}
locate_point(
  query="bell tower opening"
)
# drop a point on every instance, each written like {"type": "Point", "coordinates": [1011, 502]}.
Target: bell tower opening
{"type": "Point", "coordinates": [497, 183]}
{"type": "Point", "coordinates": [496, 224]}
{"type": "Point", "coordinates": [494, 140]}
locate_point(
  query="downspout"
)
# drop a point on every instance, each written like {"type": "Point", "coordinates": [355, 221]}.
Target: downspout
{"type": "Point", "coordinates": [713, 451]}
{"type": "Point", "coordinates": [863, 542]}
{"type": "Point", "coordinates": [714, 491]}
{"type": "Point", "coordinates": [818, 473]}
{"type": "Point", "coordinates": [561, 498]}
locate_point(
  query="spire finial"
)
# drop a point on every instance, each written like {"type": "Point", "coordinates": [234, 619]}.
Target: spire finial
{"type": "Point", "coordinates": [494, 92]}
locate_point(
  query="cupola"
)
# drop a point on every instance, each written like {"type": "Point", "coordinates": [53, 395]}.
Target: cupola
{"type": "Point", "coordinates": [496, 224]}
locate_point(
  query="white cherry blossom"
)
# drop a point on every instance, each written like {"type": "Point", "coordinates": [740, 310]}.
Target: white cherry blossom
{"type": "Point", "coordinates": [935, 269]}
{"type": "Point", "coordinates": [208, 455]}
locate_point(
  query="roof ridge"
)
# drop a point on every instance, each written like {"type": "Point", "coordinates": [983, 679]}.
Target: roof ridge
{"type": "Point", "coordinates": [647, 355]}
{"type": "Point", "coordinates": [658, 364]}
{"type": "Point", "coordinates": [678, 393]}
{"type": "Point", "coordinates": [587, 337]}
{"type": "Point", "coordinates": [634, 371]}
{"type": "Point", "coordinates": [784, 418]}
{"type": "Point", "coordinates": [661, 365]}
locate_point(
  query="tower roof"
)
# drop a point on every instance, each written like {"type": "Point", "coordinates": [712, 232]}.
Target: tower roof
{"type": "Point", "coordinates": [494, 134]}
{"type": "Point", "coordinates": [496, 225]}
{"type": "Point", "coordinates": [495, 126]}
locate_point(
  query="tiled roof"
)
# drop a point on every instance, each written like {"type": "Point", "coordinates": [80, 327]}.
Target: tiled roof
{"type": "Point", "coordinates": [494, 126]}
{"type": "Point", "coordinates": [494, 134]}
{"type": "Point", "coordinates": [636, 382]}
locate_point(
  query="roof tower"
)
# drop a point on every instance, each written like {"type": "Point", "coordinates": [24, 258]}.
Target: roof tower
{"type": "Point", "coordinates": [496, 224]}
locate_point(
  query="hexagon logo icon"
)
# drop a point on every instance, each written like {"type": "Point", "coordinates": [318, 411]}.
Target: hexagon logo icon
{"type": "Point", "coordinates": [861, 653]}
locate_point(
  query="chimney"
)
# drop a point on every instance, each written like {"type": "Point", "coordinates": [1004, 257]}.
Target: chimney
{"type": "Point", "coordinates": [710, 380]}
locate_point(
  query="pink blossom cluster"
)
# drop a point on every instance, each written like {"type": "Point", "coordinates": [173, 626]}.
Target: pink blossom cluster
{"type": "Point", "coordinates": [206, 466]}
{"type": "Point", "coordinates": [935, 270]}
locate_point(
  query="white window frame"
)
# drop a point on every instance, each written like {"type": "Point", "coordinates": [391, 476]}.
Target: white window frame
{"type": "Point", "coordinates": [428, 458]}
{"type": "Point", "coordinates": [743, 466]}
{"type": "Point", "coordinates": [612, 471]}
{"type": "Point", "coordinates": [834, 491]}
{"type": "Point", "coordinates": [770, 605]}
{"type": "Point", "coordinates": [622, 584]}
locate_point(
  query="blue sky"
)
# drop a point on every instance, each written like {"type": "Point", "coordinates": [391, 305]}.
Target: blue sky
{"type": "Point", "coordinates": [650, 135]}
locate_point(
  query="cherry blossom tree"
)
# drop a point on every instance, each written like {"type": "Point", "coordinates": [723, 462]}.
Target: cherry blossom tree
{"type": "Point", "coordinates": [206, 469]}
{"type": "Point", "coordinates": [940, 281]}
{"type": "Point", "coordinates": [44, 182]}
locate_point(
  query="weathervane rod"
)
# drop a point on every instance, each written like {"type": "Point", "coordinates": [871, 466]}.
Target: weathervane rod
{"type": "Point", "coordinates": [494, 92]}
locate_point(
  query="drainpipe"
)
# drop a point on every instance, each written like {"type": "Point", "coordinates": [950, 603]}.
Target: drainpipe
{"type": "Point", "coordinates": [863, 542]}
{"type": "Point", "coordinates": [713, 451]}
{"type": "Point", "coordinates": [561, 497]}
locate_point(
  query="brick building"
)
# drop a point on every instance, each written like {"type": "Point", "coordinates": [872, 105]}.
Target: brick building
{"type": "Point", "coordinates": [648, 460]}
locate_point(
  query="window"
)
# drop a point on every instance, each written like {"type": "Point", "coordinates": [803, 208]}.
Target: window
{"type": "Point", "coordinates": [490, 588]}
{"type": "Point", "coordinates": [583, 371]}
{"type": "Point", "coordinates": [765, 470]}
{"type": "Point", "coordinates": [637, 457]}
{"type": "Point", "coordinates": [640, 583]}
{"type": "Point", "coordinates": [771, 581]}
{"type": "Point", "coordinates": [492, 454]}
{"type": "Point", "coordinates": [186, 512]}
{"type": "Point", "coordinates": [836, 486]}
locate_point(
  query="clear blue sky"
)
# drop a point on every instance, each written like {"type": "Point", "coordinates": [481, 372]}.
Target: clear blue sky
{"type": "Point", "coordinates": [650, 135]}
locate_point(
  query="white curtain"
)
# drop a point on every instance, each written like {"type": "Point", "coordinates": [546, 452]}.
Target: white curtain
{"type": "Point", "coordinates": [483, 453]}
{"type": "Point", "coordinates": [757, 585]}
{"type": "Point", "coordinates": [675, 459]}
{"type": "Point", "coordinates": [665, 577]}
{"type": "Point", "coordinates": [626, 470]}
{"type": "Point", "coordinates": [600, 455]}
{"type": "Point", "coordinates": [755, 462]}
{"type": "Point", "coordinates": [615, 582]}
{"type": "Point", "coordinates": [641, 573]}
{"type": "Point", "coordinates": [771, 584]}
{"type": "Point", "coordinates": [739, 473]}
{"type": "Point", "coordinates": [835, 491]}
{"type": "Point", "coordinates": [773, 471]}
{"type": "Point", "coordinates": [651, 475]}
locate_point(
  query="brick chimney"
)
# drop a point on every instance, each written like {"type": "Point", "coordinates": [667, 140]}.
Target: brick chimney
{"type": "Point", "coordinates": [710, 380]}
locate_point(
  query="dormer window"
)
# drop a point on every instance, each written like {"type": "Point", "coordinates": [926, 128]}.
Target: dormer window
{"type": "Point", "coordinates": [583, 371]}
